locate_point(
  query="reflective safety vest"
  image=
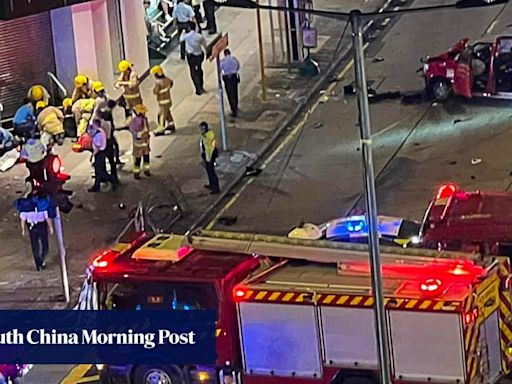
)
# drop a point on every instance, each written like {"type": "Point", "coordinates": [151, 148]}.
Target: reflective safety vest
{"type": "Point", "coordinates": [162, 91]}
{"type": "Point", "coordinates": [133, 91]}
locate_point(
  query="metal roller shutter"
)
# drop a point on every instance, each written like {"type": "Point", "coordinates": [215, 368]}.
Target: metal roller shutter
{"type": "Point", "coordinates": [26, 55]}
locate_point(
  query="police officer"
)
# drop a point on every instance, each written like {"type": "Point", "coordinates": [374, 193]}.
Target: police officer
{"type": "Point", "coordinates": [209, 154]}
{"type": "Point", "coordinates": [162, 90]}
{"type": "Point", "coordinates": [230, 66]}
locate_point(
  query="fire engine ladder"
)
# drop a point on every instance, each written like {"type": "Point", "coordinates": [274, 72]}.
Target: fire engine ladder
{"type": "Point", "coordinates": [312, 250]}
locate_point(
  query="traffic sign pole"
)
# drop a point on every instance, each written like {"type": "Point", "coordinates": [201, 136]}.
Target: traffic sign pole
{"type": "Point", "coordinates": [221, 107]}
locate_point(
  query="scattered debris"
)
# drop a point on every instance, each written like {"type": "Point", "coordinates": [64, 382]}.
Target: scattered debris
{"type": "Point", "coordinates": [278, 95]}
{"type": "Point", "coordinates": [251, 171]}
{"type": "Point", "coordinates": [476, 160]}
{"type": "Point", "coordinates": [323, 91]}
{"type": "Point", "coordinates": [358, 149]}
{"type": "Point", "coordinates": [377, 59]}
{"type": "Point", "coordinates": [417, 144]}
{"type": "Point", "coordinates": [383, 96]}
{"type": "Point", "coordinates": [323, 99]}
{"type": "Point", "coordinates": [121, 206]}
{"type": "Point", "coordinates": [349, 90]}
{"type": "Point", "coordinates": [318, 125]}
{"type": "Point", "coordinates": [452, 163]}
{"type": "Point", "coordinates": [456, 121]}
{"type": "Point", "coordinates": [227, 220]}
{"type": "Point", "coordinates": [435, 104]}
{"type": "Point", "coordinates": [473, 177]}
{"type": "Point", "coordinates": [158, 156]}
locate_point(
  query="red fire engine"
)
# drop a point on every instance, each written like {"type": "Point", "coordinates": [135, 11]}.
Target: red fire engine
{"type": "Point", "coordinates": [469, 221]}
{"type": "Point", "coordinates": [307, 316]}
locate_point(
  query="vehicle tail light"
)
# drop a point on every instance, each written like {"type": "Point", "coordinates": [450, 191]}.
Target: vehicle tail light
{"type": "Point", "coordinates": [240, 293]}
{"type": "Point", "coordinates": [184, 251]}
{"type": "Point", "coordinates": [105, 259]}
{"type": "Point", "coordinates": [446, 190]}
{"type": "Point", "coordinates": [470, 317]}
{"type": "Point", "coordinates": [430, 285]}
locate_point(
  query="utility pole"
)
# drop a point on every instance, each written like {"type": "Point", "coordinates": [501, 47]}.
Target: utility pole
{"type": "Point", "coordinates": [261, 56]}
{"type": "Point", "coordinates": [371, 197]}
{"type": "Point", "coordinates": [62, 255]}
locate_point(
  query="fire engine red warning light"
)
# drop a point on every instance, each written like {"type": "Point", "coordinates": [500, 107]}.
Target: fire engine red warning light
{"type": "Point", "coordinates": [469, 317]}
{"type": "Point", "coordinates": [184, 251]}
{"type": "Point", "coordinates": [239, 293]}
{"type": "Point", "coordinates": [431, 285]}
{"type": "Point", "coordinates": [446, 190]}
{"type": "Point", "coordinates": [56, 165]}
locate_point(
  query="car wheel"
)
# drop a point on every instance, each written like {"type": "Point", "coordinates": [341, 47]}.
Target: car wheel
{"type": "Point", "coordinates": [157, 374]}
{"type": "Point", "coordinates": [440, 89]}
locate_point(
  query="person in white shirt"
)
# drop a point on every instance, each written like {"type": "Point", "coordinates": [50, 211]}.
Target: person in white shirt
{"type": "Point", "coordinates": [39, 224]}
{"type": "Point", "coordinates": [195, 45]}
{"type": "Point", "coordinates": [184, 15]}
{"type": "Point", "coordinates": [99, 146]}
{"type": "Point", "coordinates": [230, 66]}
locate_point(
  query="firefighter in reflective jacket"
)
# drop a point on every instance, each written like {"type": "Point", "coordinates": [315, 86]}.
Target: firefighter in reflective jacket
{"type": "Point", "coordinates": [83, 88]}
{"type": "Point", "coordinates": [139, 129]}
{"type": "Point", "coordinates": [38, 93]}
{"type": "Point", "coordinates": [50, 121]}
{"type": "Point", "coordinates": [83, 109]}
{"type": "Point", "coordinates": [130, 83]}
{"type": "Point", "coordinates": [162, 90]}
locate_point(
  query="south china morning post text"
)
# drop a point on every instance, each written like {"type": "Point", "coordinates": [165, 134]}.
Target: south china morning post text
{"type": "Point", "coordinates": [108, 337]}
{"type": "Point", "coordinates": [148, 340]}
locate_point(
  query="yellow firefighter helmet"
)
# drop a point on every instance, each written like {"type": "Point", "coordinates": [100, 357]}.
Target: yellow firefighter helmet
{"type": "Point", "coordinates": [67, 102]}
{"type": "Point", "coordinates": [124, 65]}
{"type": "Point", "coordinates": [98, 86]}
{"type": "Point", "coordinates": [80, 81]}
{"type": "Point", "coordinates": [36, 93]}
{"type": "Point", "coordinates": [157, 70]}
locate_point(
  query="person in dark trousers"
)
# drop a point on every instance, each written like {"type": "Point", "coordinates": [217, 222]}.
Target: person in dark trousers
{"type": "Point", "coordinates": [39, 225]}
{"type": "Point", "coordinates": [99, 154]}
{"type": "Point", "coordinates": [209, 154]}
{"type": "Point", "coordinates": [195, 43]}
{"type": "Point", "coordinates": [209, 12]}
{"type": "Point", "coordinates": [184, 14]}
{"type": "Point", "coordinates": [24, 121]}
{"type": "Point", "coordinates": [230, 66]}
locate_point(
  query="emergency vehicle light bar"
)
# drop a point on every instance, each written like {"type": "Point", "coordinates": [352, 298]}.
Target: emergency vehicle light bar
{"type": "Point", "coordinates": [163, 248]}
{"type": "Point", "coordinates": [312, 250]}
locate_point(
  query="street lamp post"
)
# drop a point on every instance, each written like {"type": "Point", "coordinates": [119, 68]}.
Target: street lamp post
{"type": "Point", "coordinates": [371, 196]}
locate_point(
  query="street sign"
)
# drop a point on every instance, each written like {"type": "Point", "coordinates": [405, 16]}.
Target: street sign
{"type": "Point", "coordinates": [219, 47]}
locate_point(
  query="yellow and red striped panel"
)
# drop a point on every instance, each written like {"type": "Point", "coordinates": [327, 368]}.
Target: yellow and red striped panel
{"type": "Point", "coordinates": [360, 301]}
{"type": "Point", "coordinates": [505, 309]}
{"type": "Point", "coordinates": [471, 337]}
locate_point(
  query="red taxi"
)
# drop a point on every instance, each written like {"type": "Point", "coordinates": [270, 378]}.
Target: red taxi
{"type": "Point", "coordinates": [479, 69]}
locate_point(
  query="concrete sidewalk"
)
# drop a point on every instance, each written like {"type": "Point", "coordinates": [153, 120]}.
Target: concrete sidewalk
{"type": "Point", "coordinates": [177, 171]}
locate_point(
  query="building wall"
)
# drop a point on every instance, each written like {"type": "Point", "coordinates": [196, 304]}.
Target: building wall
{"type": "Point", "coordinates": [134, 34]}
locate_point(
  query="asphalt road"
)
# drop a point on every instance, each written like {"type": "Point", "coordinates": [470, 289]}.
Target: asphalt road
{"type": "Point", "coordinates": [317, 175]}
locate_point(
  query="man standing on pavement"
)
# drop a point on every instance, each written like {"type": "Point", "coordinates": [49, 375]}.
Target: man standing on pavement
{"type": "Point", "coordinates": [184, 14]}
{"type": "Point", "coordinates": [140, 134]}
{"type": "Point", "coordinates": [230, 66]}
{"type": "Point", "coordinates": [99, 154]}
{"type": "Point", "coordinates": [209, 154]}
{"type": "Point", "coordinates": [209, 12]}
{"type": "Point", "coordinates": [129, 80]}
{"type": "Point", "coordinates": [162, 90]}
{"type": "Point", "coordinates": [195, 43]}
{"type": "Point", "coordinates": [39, 224]}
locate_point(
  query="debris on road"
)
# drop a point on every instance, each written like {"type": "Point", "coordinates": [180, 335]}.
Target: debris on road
{"type": "Point", "coordinates": [384, 96]}
{"type": "Point", "coordinates": [227, 220]}
{"type": "Point", "coordinates": [251, 171]}
{"type": "Point", "coordinates": [377, 59]}
{"type": "Point", "coordinates": [453, 162]}
{"type": "Point", "coordinates": [476, 160]}
{"type": "Point", "coordinates": [318, 125]}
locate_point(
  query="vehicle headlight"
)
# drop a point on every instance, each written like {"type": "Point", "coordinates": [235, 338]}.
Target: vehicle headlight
{"type": "Point", "coordinates": [415, 240]}
{"type": "Point", "coordinates": [100, 367]}
{"type": "Point", "coordinates": [203, 376]}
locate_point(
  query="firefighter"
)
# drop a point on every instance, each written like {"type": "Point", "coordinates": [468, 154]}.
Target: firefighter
{"type": "Point", "coordinates": [139, 128]}
{"type": "Point", "coordinates": [69, 119]}
{"type": "Point", "coordinates": [130, 82]}
{"type": "Point", "coordinates": [162, 90]}
{"type": "Point", "coordinates": [209, 154]}
{"type": "Point", "coordinates": [82, 110]}
{"type": "Point", "coordinates": [38, 93]}
{"type": "Point", "coordinates": [83, 88]}
{"type": "Point", "coordinates": [50, 121]}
